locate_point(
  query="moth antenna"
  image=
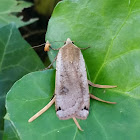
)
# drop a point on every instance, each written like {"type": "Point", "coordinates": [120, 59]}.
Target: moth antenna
{"type": "Point", "coordinates": [47, 45]}
{"type": "Point", "coordinates": [38, 45]}
{"type": "Point", "coordinates": [84, 48]}
{"type": "Point", "coordinates": [77, 124]}
{"type": "Point", "coordinates": [58, 41]}
{"type": "Point", "coordinates": [42, 110]}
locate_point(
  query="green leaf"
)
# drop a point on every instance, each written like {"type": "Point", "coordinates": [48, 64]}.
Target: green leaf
{"type": "Point", "coordinates": [111, 29]}
{"type": "Point", "coordinates": [9, 132]}
{"type": "Point", "coordinates": [16, 59]}
{"type": "Point", "coordinates": [27, 96]}
{"type": "Point", "coordinates": [8, 8]}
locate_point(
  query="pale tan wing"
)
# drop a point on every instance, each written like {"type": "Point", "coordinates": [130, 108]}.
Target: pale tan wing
{"type": "Point", "coordinates": [71, 85]}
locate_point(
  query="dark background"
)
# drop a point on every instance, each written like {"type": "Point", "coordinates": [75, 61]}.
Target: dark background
{"type": "Point", "coordinates": [34, 33]}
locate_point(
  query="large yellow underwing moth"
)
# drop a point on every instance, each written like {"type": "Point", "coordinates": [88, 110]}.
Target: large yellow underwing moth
{"type": "Point", "coordinates": [71, 97]}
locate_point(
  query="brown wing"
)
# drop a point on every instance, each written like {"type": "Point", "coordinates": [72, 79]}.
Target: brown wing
{"type": "Point", "coordinates": [71, 85]}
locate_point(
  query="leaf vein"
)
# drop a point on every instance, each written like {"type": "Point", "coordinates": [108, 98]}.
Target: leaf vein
{"type": "Point", "coordinates": [126, 53]}
{"type": "Point", "coordinates": [100, 126]}
{"type": "Point", "coordinates": [111, 44]}
{"type": "Point", "coordinates": [57, 129]}
{"type": "Point", "coordinates": [10, 34]}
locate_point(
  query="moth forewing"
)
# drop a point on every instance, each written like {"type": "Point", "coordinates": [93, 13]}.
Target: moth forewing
{"type": "Point", "coordinates": [71, 85]}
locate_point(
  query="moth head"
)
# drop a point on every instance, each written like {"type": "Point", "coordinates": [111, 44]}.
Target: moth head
{"type": "Point", "coordinates": [68, 41]}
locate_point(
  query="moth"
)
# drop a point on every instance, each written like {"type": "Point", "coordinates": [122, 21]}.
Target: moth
{"type": "Point", "coordinates": [71, 97]}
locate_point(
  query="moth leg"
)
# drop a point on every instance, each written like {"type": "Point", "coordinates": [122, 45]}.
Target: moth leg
{"type": "Point", "coordinates": [77, 124]}
{"type": "Point", "coordinates": [100, 86]}
{"type": "Point", "coordinates": [50, 64]}
{"type": "Point", "coordinates": [42, 110]}
{"type": "Point", "coordinates": [84, 48]}
{"type": "Point", "coordinates": [96, 98]}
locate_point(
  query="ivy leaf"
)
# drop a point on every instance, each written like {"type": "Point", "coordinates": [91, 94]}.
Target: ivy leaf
{"type": "Point", "coordinates": [10, 132]}
{"type": "Point", "coordinates": [8, 10]}
{"type": "Point", "coordinates": [16, 59]}
{"type": "Point", "coordinates": [34, 89]}
{"type": "Point", "coordinates": [111, 29]}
